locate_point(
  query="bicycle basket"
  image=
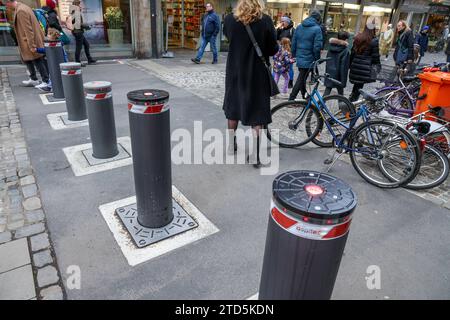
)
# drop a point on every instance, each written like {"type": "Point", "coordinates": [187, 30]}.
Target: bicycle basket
{"type": "Point", "coordinates": [388, 74]}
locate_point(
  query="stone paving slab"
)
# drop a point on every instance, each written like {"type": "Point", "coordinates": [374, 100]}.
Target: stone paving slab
{"type": "Point", "coordinates": [17, 284]}
{"type": "Point", "coordinates": [13, 255]}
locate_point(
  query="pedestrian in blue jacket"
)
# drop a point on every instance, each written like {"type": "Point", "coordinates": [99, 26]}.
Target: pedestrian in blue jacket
{"type": "Point", "coordinates": [422, 41]}
{"type": "Point", "coordinates": [306, 45]}
{"type": "Point", "coordinates": [210, 30]}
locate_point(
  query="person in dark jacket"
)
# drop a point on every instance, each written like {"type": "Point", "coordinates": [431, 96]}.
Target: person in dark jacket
{"type": "Point", "coordinates": [78, 28]}
{"type": "Point", "coordinates": [364, 61]}
{"type": "Point", "coordinates": [422, 41]}
{"type": "Point", "coordinates": [306, 46]}
{"type": "Point", "coordinates": [339, 64]}
{"type": "Point", "coordinates": [210, 30]}
{"type": "Point", "coordinates": [404, 51]}
{"type": "Point", "coordinates": [52, 15]}
{"type": "Point", "coordinates": [247, 82]}
{"type": "Point", "coordinates": [286, 30]}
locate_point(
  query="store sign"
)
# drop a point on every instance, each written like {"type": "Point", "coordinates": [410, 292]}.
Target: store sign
{"type": "Point", "coordinates": [439, 9]}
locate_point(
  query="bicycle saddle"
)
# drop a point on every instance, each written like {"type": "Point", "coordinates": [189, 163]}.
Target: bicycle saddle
{"type": "Point", "coordinates": [369, 96]}
{"type": "Point", "coordinates": [437, 110]}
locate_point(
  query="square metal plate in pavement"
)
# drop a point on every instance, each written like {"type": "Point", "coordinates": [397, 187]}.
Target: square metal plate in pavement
{"type": "Point", "coordinates": [47, 98]}
{"type": "Point", "coordinates": [123, 154]}
{"type": "Point", "coordinates": [143, 236]}
{"type": "Point", "coordinates": [65, 119]}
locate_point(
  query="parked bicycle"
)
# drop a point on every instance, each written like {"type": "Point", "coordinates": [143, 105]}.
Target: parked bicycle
{"type": "Point", "coordinates": [382, 152]}
{"type": "Point", "coordinates": [434, 134]}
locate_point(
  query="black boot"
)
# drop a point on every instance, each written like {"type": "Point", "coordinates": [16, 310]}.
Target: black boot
{"type": "Point", "coordinates": [253, 158]}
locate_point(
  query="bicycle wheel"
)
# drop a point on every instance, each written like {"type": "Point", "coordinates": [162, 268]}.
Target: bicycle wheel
{"type": "Point", "coordinates": [288, 124]}
{"type": "Point", "coordinates": [343, 110]}
{"type": "Point", "coordinates": [384, 154]}
{"type": "Point", "coordinates": [441, 141]}
{"type": "Point", "coordinates": [434, 170]}
{"type": "Point", "coordinates": [398, 100]}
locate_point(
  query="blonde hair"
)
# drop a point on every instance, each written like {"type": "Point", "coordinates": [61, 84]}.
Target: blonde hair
{"type": "Point", "coordinates": [247, 11]}
{"type": "Point", "coordinates": [286, 44]}
{"type": "Point", "coordinates": [403, 22]}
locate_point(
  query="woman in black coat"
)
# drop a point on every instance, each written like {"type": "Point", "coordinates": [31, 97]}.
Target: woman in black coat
{"type": "Point", "coordinates": [338, 65]}
{"type": "Point", "coordinates": [364, 61]}
{"type": "Point", "coordinates": [247, 83]}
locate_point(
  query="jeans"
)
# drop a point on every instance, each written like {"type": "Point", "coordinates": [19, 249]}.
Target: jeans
{"type": "Point", "coordinates": [201, 50]}
{"type": "Point", "coordinates": [81, 41]}
{"type": "Point", "coordinates": [328, 91]}
{"type": "Point", "coordinates": [41, 65]}
{"type": "Point", "coordinates": [291, 72]}
{"type": "Point", "coordinates": [300, 84]}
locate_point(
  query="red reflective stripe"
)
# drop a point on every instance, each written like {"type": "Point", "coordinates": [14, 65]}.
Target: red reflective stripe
{"type": "Point", "coordinates": [154, 109]}
{"type": "Point", "coordinates": [338, 231]}
{"type": "Point", "coordinates": [100, 96]}
{"type": "Point", "coordinates": [283, 220]}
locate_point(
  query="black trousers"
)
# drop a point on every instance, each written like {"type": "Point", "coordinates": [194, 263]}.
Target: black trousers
{"type": "Point", "coordinates": [39, 64]}
{"type": "Point", "coordinates": [300, 84]}
{"type": "Point", "coordinates": [328, 91]}
{"type": "Point", "coordinates": [355, 91]}
{"type": "Point", "coordinates": [81, 41]}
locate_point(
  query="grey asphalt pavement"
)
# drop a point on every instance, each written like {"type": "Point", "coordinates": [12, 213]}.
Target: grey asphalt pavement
{"type": "Point", "coordinates": [405, 235]}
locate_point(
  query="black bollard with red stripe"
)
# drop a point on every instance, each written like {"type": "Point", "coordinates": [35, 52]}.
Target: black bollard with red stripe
{"type": "Point", "coordinates": [55, 56]}
{"type": "Point", "coordinates": [149, 117]}
{"type": "Point", "coordinates": [102, 127]}
{"type": "Point", "coordinates": [308, 227]}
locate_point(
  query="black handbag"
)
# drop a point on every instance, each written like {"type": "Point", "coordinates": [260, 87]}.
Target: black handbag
{"type": "Point", "coordinates": [273, 85]}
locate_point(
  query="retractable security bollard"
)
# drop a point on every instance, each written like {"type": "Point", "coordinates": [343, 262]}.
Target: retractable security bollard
{"type": "Point", "coordinates": [73, 90]}
{"type": "Point", "coordinates": [55, 56]}
{"type": "Point", "coordinates": [308, 227]}
{"type": "Point", "coordinates": [149, 117]}
{"type": "Point", "coordinates": [100, 112]}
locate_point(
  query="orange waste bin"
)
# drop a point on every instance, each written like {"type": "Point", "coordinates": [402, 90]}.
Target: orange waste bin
{"type": "Point", "coordinates": [436, 86]}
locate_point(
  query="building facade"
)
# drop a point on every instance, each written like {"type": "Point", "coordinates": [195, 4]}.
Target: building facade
{"type": "Point", "coordinates": [177, 22]}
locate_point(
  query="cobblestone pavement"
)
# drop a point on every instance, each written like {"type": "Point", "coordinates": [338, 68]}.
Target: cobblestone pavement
{"type": "Point", "coordinates": [208, 82]}
{"type": "Point", "coordinates": [30, 270]}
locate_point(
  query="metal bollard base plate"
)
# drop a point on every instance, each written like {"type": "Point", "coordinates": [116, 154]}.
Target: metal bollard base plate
{"type": "Point", "coordinates": [143, 236]}
{"type": "Point", "coordinates": [123, 154]}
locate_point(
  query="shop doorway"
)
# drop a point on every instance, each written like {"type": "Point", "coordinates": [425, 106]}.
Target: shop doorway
{"type": "Point", "coordinates": [181, 21]}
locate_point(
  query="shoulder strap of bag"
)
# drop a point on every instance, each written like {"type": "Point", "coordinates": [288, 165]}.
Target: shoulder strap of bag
{"type": "Point", "coordinates": [255, 44]}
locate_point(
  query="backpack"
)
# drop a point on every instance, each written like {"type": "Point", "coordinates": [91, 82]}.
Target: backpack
{"type": "Point", "coordinates": [41, 16]}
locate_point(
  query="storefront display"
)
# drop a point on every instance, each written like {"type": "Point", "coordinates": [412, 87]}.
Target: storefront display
{"type": "Point", "coordinates": [183, 19]}
{"type": "Point", "coordinates": [108, 21]}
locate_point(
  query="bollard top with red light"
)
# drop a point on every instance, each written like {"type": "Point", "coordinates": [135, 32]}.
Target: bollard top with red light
{"type": "Point", "coordinates": [312, 203]}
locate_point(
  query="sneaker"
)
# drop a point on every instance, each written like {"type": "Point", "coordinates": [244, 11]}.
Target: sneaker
{"type": "Point", "coordinates": [30, 83]}
{"type": "Point", "coordinates": [92, 61]}
{"type": "Point", "coordinates": [214, 62]}
{"type": "Point", "coordinates": [45, 89]}
{"type": "Point", "coordinates": [195, 60]}
{"type": "Point", "coordinates": [41, 85]}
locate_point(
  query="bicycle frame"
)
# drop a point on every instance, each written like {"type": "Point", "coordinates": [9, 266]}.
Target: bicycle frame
{"type": "Point", "coordinates": [405, 89]}
{"type": "Point", "coordinates": [316, 100]}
